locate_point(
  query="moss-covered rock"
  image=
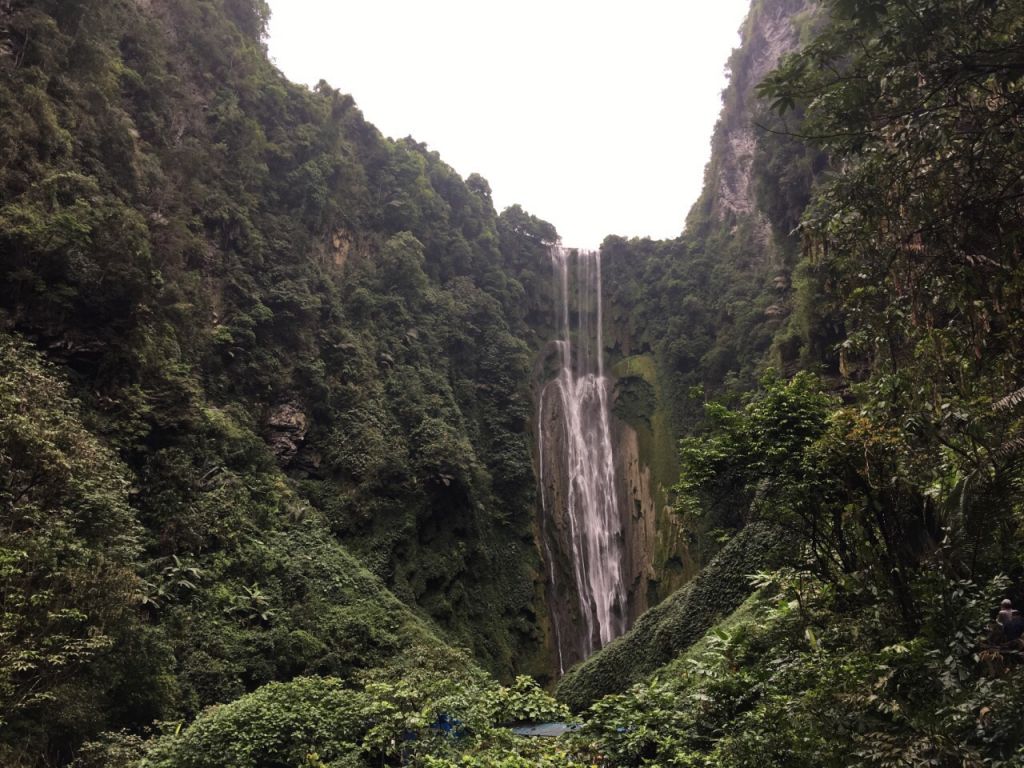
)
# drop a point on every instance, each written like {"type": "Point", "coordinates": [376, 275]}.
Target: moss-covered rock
{"type": "Point", "coordinates": [677, 623]}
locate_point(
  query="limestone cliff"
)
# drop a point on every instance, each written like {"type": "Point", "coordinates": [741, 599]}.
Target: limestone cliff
{"type": "Point", "coordinates": [692, 315]}
{"type": "Point", "coordinates": [771, 30]}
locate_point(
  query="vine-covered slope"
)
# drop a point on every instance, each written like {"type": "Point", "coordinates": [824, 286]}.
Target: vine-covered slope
{"type": "Point", "coordinates": [672, 626]}
{"type": "Point", "coordinates": [294, 358]}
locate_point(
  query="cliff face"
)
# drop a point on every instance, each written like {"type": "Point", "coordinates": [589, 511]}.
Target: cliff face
{"type": "Point", "coordinates": [657, 561]}
{"type": "Point", "coordinates": [648, 556]}
{"type": "Point", "coordinates": [688, 316]}
{"type": "Point", "coordinates": [698, 314]}
{"type": "Point", "coordinates": [772, 29]}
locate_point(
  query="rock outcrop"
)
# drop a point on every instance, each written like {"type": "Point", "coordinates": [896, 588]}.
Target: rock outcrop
{"type": "Point", "coordinates": [769, 34]}
{"type": "Point", "coordinates": [284, 429]}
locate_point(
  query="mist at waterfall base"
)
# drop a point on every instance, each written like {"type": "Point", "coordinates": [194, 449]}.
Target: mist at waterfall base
{"type": "Point", "coordinates": [581, 527]}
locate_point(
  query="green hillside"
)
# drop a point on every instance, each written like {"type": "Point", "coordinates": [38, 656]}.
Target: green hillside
{"type": "Point", "coordinates": [267, 496]}
{"type": "Point", "coordinates": [303, 349]}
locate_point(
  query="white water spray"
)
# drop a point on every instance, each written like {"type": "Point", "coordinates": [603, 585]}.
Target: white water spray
{"type": "Point", "coordinates": [576, 404]}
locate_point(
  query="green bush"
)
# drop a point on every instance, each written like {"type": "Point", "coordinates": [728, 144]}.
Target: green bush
{"type": "Point", "coordinates": [280, 724]}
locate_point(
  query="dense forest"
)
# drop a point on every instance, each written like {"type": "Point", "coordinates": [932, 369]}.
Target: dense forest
{"type": "Point", "coordinates": [267, 496]}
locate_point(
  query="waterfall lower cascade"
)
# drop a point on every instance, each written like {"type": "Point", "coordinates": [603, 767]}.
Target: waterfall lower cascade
{"type": "Point", "coordinates": [581, 523]}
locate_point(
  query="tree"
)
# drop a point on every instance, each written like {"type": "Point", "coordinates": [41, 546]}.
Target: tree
{"type": "Point", "coordinates": [914, 243]}
{"type": "Point", "coordinates": [67, 543]}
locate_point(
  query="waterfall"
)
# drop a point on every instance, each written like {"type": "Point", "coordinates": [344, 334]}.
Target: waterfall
{"type": "Point", "coordinates": [580, 518]}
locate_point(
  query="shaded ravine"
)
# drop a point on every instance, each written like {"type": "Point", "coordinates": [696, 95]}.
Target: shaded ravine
{"type": "Point", "coordinates": [581, 524]}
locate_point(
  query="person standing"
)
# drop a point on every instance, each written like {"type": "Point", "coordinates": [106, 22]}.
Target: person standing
{"type": "Point", "coordinates": [1005, 612]}
{"type": "Point", "coordinates": [1011, 621]}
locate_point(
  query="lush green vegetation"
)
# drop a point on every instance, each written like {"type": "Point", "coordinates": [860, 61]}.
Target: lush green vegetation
{"type": "Point", "coordinates": [423, 713]}
{"type": "Point", "coordinates": [675, 624]}
{"type": "Point", "coordinates": [269, 330]}
{"type": "Point", "coordinates": [899, 472]}
{"type": "Point", "coordinates": [803, 682]}
{"type": "Point", "coordinates": [717, 305]}
{"type": "Point", "coordinates": [266, 494]}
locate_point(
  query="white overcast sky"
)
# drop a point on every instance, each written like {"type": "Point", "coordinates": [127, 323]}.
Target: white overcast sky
{"type": "Point", "coordinates": [595, 115]}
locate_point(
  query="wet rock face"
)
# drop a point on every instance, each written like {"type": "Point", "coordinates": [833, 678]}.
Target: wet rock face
{"type": "Point", "coordinates": [284, 429]}
{"type": "Point", "coordinates": [639, 519]}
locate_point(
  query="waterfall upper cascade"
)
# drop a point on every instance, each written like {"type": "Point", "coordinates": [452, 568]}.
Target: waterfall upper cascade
{"type": "Point", "coordinates": [581, 521]}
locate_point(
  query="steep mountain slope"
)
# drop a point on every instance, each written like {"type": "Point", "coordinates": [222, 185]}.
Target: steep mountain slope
{"type": "Point", "coordinates": [291, 332]}
{"type": "Point", "coordinates": [679, 621]}
{"type": "Point", "coordinates": [89, 643]}
{"type": "Point", "coordinates": [265, 401]}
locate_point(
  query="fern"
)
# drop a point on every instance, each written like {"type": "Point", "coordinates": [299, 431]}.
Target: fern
{"type": "Point", "coordinates": [1011, 401]}
{"type": "Point", "coordinates": [1010, 448]}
